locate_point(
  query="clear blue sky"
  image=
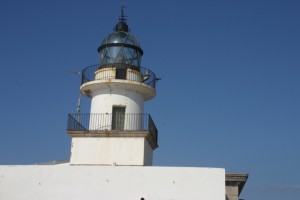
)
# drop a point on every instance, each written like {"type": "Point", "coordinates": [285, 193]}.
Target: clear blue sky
{"type": "Point", "coordinates": [229, 95]}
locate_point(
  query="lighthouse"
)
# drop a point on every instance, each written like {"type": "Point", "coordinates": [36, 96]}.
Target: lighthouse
{"type": "Point", "coordinates": [116, 131]}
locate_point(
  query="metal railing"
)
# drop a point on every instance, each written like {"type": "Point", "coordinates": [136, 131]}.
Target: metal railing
{"type": "Point", "coordinates": [89, 122]}
{"type": "Point", "coordinates": [146, 76]}
{"type": "Point", "coordinates": [109, 122]}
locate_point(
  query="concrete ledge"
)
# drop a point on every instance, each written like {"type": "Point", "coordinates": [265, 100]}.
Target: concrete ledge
{"type": "Point", "coordinates": [234, 185]}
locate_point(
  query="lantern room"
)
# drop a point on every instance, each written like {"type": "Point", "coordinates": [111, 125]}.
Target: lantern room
{"type": "Point", "coordinates": [120, 48]}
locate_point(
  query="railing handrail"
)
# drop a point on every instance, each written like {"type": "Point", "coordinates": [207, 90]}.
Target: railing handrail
{"type": "Point", "coordinates": [149, 77]}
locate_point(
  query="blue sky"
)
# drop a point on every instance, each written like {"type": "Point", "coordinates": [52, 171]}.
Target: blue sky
{"type": "Point", "coordinates": [229, 95]}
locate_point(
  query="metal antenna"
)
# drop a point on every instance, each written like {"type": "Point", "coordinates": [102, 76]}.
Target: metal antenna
{"type": "Point", "coordinates": [73, 72]}
{"type": "Point", "coordinates": [79, 98]}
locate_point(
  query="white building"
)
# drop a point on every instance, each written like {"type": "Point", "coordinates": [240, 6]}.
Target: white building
{"type": "Point", "coordinates": [112, 146]}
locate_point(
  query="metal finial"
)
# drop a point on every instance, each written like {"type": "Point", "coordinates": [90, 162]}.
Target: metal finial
{"type": "Point", "coordinates": [122, 25]}
{"type": "Point", "coordinates": [122, 17]}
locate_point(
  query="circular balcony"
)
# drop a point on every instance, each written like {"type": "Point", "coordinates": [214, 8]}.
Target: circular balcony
{"type": "Point", "coordinates": [120, 76]}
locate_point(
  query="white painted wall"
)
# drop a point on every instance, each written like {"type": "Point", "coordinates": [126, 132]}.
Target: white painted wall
{"type": "Point", "coordinates": [61, 182]}
{"type": "Point", "coordinates": [148, 154]}
{"type": "Point", "coordinates": [103, 100]}
{"type": "Point", "coordinates": [111, 151]}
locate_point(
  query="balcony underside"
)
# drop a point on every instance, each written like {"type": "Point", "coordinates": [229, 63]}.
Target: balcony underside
{"type": "Point", "coordinates": [115, 133]}
{"type": "Point", "coordinates": [145, 90]}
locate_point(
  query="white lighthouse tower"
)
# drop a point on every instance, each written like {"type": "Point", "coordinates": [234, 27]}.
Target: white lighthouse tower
{"type": "Point", "coordinates": [116, 131]}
